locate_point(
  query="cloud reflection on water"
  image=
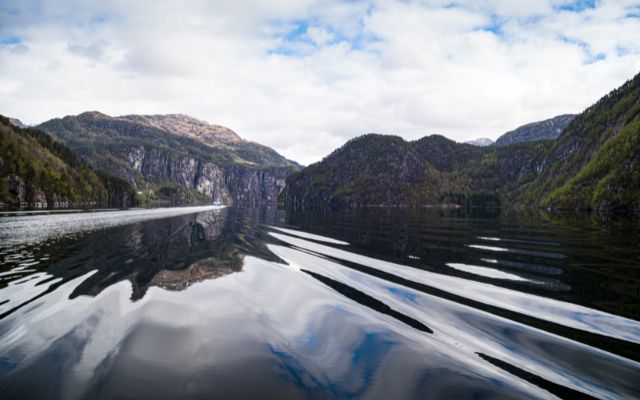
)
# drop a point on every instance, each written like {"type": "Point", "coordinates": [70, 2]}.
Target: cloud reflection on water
{"type": "Point", "coordinates": [217, 304]}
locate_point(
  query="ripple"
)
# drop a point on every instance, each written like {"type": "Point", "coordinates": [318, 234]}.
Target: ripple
{"type": "Point", "coordinates": [545, 254]}
{"type": "Point", "coordinates": [309, 236]}
{"type": "Point", "coordinates": [486, 272]}
{"type": "Point", "coordinates": [567, 314]}
{"type": "Point", "coordinates": [230, 305]}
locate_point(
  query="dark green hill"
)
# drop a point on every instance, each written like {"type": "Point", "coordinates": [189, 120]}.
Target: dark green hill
{"type": "Point", "coordinates": [176, 157]}
{"type": "Point", "coordinates": [593, 164]}
{"type": "Point", "coordinates": [384, 170]}
{"type": "Point", "coordinates": [369, 170]}
{"type": "Point", "coordinates": [38, 171]}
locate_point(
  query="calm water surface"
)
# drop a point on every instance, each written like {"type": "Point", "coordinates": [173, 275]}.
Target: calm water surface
{"type": "Point", "coordinates": [375, 304]}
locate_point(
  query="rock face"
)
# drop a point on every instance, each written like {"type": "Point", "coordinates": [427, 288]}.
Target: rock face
{"type": "Point", "coordinates": [210, 181]}
{"type": "Point", "coordinates": [177, 156]}
{"type": "Point", "coordinates": [542, 130]}
{"type": "Point", "coordinates": [26, 195]}
{"type": "Point", "coordinates": [593, 164]}
{"type": "Point", "coordinates": [253, 186]}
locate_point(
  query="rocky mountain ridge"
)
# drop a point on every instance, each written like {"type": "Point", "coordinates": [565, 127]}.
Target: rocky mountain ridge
{"type": "Point", "coordinates": [184, 125]}
{"type": "Point", "coordinates": [547, 129]}
{"type": "Point", "coordinates": [176, 158]}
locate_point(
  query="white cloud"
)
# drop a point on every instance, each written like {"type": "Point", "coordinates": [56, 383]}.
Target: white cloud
{"type": "Point", "coordinates": [319, 36]}
{"type": "Point", "coordinates": [305, 76]}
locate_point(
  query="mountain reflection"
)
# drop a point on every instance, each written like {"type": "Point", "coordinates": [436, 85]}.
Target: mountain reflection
{"type": "Point", "coordinates": [172, 253]}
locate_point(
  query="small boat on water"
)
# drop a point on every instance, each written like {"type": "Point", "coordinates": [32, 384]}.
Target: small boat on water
{"type": "Point", "coordinates": [218, 203]}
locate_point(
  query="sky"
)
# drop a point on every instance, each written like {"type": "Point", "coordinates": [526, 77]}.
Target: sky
{"type": "Point", "coordinates": [304, 76]}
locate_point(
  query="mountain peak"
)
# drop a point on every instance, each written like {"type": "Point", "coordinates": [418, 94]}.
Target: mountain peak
{"type": "Point", "coordinates": [482, 142]}
{"type": "Point", "coordinates": [185, 125]}
{"type": "Point", "coordinates": [92, 115]}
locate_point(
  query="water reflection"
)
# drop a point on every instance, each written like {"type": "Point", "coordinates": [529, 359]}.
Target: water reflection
{"type": "Point", "coordinates": [254, 303]}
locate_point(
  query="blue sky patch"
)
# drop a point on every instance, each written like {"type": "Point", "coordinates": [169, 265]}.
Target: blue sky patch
{"type": "Point", "coordinates": [633, 14]}
{"type": "Point", "coordinates": [622, 51]}
{"type": "Point", "coordinates": [298, 32]}
{"type": "Point", "coordinates": [495, 26]}
{"type": "Point", "coordinates": [296, 42]}
{"type": "Point", "coordinates": [594, 58]}
{"type": "Point", "coordinates": [10, 10]}
{"type": "Point", "coordinates": [578, 5]}
{"type": "Point", "coordinates": [590, 56]}
{"type": "Point", "coordinates": [10, 40]}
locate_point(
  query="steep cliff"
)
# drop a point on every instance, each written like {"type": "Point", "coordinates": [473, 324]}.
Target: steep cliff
{"type": "Point", "coordinates": [37, 171]}
{"type": "Point", "coordinates": [593, 164]}
{"type": "Point", "coordinates": [176, 157]}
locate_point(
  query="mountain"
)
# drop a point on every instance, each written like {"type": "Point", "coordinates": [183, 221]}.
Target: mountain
{"type": "Point", "coordinates": [480, 142]}
{"type": "Point", "coordinates": [175, 157]}
{"type": "Point", "coordinates": [383, 170]}
{"type": "Point", "coordinates": [37, 171]}
{"type": "Point", "coordinates": [541, 130]}
{"type": "Point", "coordinates": [593, 164]}
{"type": "Point", "coordinates": [371, 169]}
{"type": "Point", "coordinates": [16, 122]}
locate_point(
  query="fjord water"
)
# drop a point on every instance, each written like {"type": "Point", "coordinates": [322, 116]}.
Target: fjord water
{"type": "Point", "coordinates": [389, 304]}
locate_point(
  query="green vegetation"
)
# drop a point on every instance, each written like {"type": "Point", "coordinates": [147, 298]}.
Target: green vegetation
{"type": "Point", "coordinates": [593, 164]}
{"type": "Point", "coordinates": [37, 169]}
{"type": "Point", "coordinates": [611, 178]}
{"type": "Point", "coordinates": [171, 193]}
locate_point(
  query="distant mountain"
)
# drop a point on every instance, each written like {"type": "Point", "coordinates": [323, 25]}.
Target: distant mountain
{"type": "Point", "coordinates": [541, 130]}
{"type": "Point", "coordinates": [482, 142]}
{"type": "Point", "coordinates": [37, 171]}
{"type": "Point", "coordinates": [175, 157]}
{"type": "Point", "coordinates": [593, 164]}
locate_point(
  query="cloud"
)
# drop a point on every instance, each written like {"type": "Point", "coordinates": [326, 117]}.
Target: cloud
{"type": "Point", "coordinates": [305, 76]}
{"type": "Point", "coordinates": [93, 50]}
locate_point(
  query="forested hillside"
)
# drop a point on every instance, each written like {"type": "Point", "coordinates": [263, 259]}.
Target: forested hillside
{"type": "Point", "coordinates": [38, 171]}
